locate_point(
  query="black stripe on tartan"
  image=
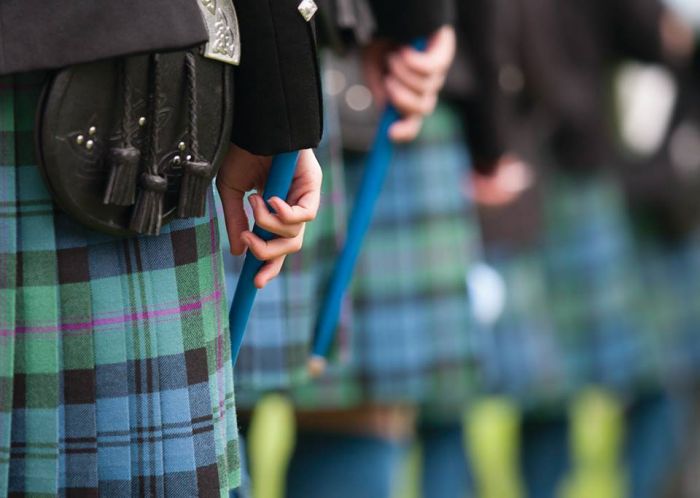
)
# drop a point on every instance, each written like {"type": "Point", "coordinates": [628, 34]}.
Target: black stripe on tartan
{"type": "Point", "coordinates": [138, 430]}
{"type": "Point", "coordinates": [424, 218]}
{"type": "Point", "coordinates": [26, 203]}
{"type": "Point", "coordinates": [25, 214]}
{"type": "Point", "coordinates": [400, 374]}
{"type": "Point", "coordinates": [372, 300]}
{"type": "Point", "coordinates": [79, 492]}
{"type": "Point", "coordinates": [208, 481]}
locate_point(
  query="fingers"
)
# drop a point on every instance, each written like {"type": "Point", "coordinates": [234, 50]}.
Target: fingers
{"type": "Point", "coordinates": [414, 80]}
{"type": "Point", "coordinates": [406, 130]}
{"type": "Point", "coordinates": [274, 222]}
{"type": "Point", "coordinates": [418, 82]}
{"type": "Point", "coordinates": [268, 250]}
{"type": "Point", "coordinates": [408, 101]}
{"type": "Point", "coordinates": [288, 220]}
{"type": "Point", "coordinates": [438, 56]}
{"type": "Point", "coordinates": [269, 271]}
{"type": "Point", "coordinates": [234, 216]}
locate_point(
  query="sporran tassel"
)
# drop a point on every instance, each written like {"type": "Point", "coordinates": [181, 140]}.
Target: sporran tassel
{"type": "Point", "coordinates": [194, 188]}
{"type": "Point", "coordinates": [197, 173]}
{"type": "Point", "coordinates": [125, 159]}
{"type": "Point", "coordinates": [147, 217]}
{"type": "Point", "coordinates": [123, 176]}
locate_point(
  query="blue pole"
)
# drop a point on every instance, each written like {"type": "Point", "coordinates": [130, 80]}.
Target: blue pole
{"type": "Point", "coordinates": [378, 163]}
{"type": "Point", "coordinates": [278, 183]}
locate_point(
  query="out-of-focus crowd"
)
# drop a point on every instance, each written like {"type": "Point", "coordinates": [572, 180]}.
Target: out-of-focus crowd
{"type": "Point", "coordinates": [525, 316]}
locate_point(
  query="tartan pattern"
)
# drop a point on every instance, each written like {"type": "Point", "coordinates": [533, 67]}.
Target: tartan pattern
{"type": "Point", "coordinates": [115, 376]}
{"type": "Point", "coordinates": [593, 287]}
{"type": "Point", "coordinates": [275, 351]}
{"type": "Point", "coordinates": [670, 272]}
{"type": "Point", "coordinates": [411, 319]}
{"type": "Point", "coordinates": [573, 310]}
{"type": "Point", "coordinates": [519, 354]}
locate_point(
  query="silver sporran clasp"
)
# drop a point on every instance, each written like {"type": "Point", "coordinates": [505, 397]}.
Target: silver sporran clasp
{"type": "Point", "coordinates": [224, 35]}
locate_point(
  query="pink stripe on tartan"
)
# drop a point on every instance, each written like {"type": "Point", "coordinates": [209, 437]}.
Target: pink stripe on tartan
{"type": "Point", "coordinates": [216, 255]}
{"type": "Point", "coordinates": [132, 317]}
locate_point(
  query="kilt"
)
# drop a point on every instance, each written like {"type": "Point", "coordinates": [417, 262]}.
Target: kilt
{"type": "Point", "coordinates": [670, 272]}
{"type": "Point", "coordinates": [411, 317]}
{"type": "Point", "coordinates": [115, 371]}
{"type": "Point", "coordinates": [276, 347]}
{"type": "Point", "coordinates": [572, 309]}
{"type": "Point", "coordinates": [593, 282]}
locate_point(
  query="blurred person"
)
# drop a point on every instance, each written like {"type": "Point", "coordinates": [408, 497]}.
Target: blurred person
{"type": "Point", "coordinates": [115, 370]}
{"type": "Point", "coordinates": [363, 409]}
{"type": "Point", "coordinates": [407, 344]}
{"type": "Point", "coordinates": [559, 242]}
{"type": "Point", "coordinates": [663, 189]}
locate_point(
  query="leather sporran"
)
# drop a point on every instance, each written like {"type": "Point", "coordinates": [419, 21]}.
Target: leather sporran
{"type": "Point", "coordinates": [128, 144]}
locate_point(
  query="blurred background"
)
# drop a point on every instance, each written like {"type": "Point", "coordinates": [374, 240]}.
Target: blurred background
{"type": "Point", "coordinates": [573, 250]}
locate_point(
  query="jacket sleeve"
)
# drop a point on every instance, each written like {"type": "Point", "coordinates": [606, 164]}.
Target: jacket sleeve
{"type": "Point", "coordinates": [404, 20]}
{"type": "Point", "coordinates": [277, 85]}
{"type": "Point", "coordinates": [483, 109]}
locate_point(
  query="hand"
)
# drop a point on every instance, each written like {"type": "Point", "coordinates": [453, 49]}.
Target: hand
{"type": "Point", "coordinates": [243, 172]}
{"type": "Point", "coordinates": [511, 177]}
{"type": "Point", "coordinates": [410, 79]}
{"type": "Point", "coordinates": [677, 38]}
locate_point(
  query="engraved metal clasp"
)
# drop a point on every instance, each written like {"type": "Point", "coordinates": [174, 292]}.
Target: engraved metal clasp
{"type": "Point", "coordinates": [224, 35]}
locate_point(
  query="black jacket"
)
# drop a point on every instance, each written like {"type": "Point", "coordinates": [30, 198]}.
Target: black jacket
{"type": "Point", "coordinates": [278, 103]}
{"type": "Point", "coordinates": [473, 81]}
{"type": "Point", "coordinates": [560, 53]}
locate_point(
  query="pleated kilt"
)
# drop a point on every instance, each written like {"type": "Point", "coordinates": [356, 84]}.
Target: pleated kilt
{"type": "Point", "coordinates": [276, 347]}
{"type": "Point", "coordinates": [411, 326]}
{"type": "Point", "coordinates": [572, 313]}
{"type": "Point", "coordinates": [115, 371]}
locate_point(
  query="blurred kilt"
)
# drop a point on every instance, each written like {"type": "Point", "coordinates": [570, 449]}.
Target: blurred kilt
{"type": "Point", "coordinates": [573, 309]}
{"type": "Point", "coordinates": [275, 351]}
{"type": "Point", "coordinates": [670, 305]}
{"type": "Point", "coordinates": [411, 325]}
{"type": "Point", "coordinates": [593, 282]}
{"type": "Point", "coordinates": [115, 377]}
{"type": "Point", "coordinates": [519, 353]}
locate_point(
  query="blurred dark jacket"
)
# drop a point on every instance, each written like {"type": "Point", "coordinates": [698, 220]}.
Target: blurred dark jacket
{"type": "Point", "coordinates": [664, 189]}
{"type": "Point", "coordinates": [347, 24]}
{"type": "Point", "coordinates": [473, 81]}
{"type": "Point", "coordinates": [544, 65]}
{"type": "Point", "coordinates": [405, 20]}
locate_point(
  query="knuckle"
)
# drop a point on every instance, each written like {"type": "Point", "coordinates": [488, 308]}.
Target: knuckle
{"type": "Point", "coordinates": [297, 244]}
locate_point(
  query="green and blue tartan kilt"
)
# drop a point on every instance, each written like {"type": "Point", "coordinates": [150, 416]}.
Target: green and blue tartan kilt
{"type": "Point", "coordinates": [670, 272]}
{"type": "Point", "coordinates": [115, 371]}
{"type": "Point", "coordinates": [593, 282]}
{"type": "Point", "coordinates": [411, 322]}
{"type": "Point", "coordinates": [275, 351]}
{"type": "Point", "coordinates": [572, 315]}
